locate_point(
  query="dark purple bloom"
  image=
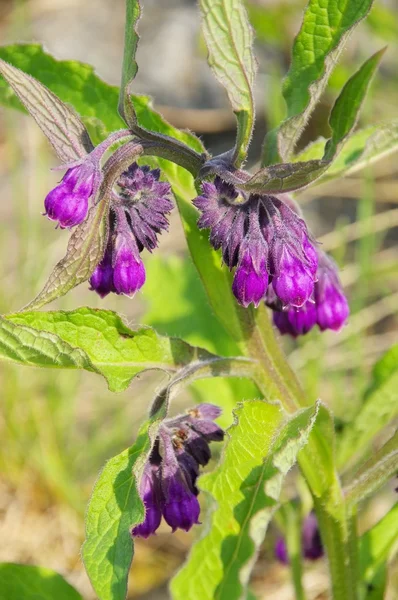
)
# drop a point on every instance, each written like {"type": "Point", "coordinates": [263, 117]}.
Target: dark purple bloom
{"type": "Point", "coordinates": [138, 214]}
{"type": "Point", "coordinates": [67, 203]}
{"type": "Point", "coordinates": [328, 308]}
{"type": "Point", "coordinates": [264, 239]}
{"type": "Point", "coordinates": [311, 543]}
{"type": "Point", "coordinates": [168, 485]}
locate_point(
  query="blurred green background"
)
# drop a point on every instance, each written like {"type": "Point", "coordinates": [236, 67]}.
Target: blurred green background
{"type": "Point", "coordinates": [58, 428]}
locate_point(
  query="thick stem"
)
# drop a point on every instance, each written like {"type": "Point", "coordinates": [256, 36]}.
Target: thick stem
{"type": "Point", "coordinates": [275, 378]}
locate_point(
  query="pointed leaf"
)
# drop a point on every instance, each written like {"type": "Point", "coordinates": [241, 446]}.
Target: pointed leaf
{"type": "Point", "coordinates": [245, 488]}
{"type": "Point", "coordinates": [131, 37]}
{"type": "Point", "coordinates": [285, 177]}
{"type": "Point", "coordinates": [326, 26]}
{"type": "Point", "coordinates": [25, 582]}
{"type": "Point", "coordinates": [85, 250]}
{"type": "Point", "coordinates": [118, 352]}
{"type": "Point", "coordinates": [345, 112]}
{"type": "Point", "coordinates": [58, 121]}
{"type": "Point", "coordinates": [229, 40]}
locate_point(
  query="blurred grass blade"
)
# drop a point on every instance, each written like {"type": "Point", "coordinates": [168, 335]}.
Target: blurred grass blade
{"type": "Point", "coordinates": [229, 40]}
{"type": "Point", "coordinates": [244, 489]}
{"type": "Point", "coordinates": [129, 67]}
{"type": "Point", "coordinates": [326, 27]}
{"type": "Point", "coordinates": [25, 582]}
{"type": "Point", "coordinates": [59, 123]}
{"type": "Point", "coordinates": [375, 547]}
{"type": "Point", "coordinates": [373, 478]}
{"type": "Point", "coordinates": [379, 409]}
{"type": "Point", "coordinates": [346, 109]}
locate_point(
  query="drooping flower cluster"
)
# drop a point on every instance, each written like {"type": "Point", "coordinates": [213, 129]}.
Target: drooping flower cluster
{"type": "Point", "coordinates": [311, 543]}
{"type": "Point", "coordinates": [264, 239]}
{"type": "Point", "coordinates": [136, 219]}
{"type": "Point", "coordinates": [168, 484]}
{"type": "Point", "coordinates": [328, 307]}
{"type": "Point", "coordinates": [138, 213]}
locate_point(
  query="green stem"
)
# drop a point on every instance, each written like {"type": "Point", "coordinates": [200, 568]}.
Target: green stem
{"type": "Point", "coordinates": [275, 378]}
{"type": "Point", "coordinates": [293, 542]}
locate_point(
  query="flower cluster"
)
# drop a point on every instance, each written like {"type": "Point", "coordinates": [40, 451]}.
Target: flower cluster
{"type": "Point", "coordinates": [137, 215]}
{"type": "Point", "coordinates": [328, 307]}
{"type": "Point", "coordinates": [168, 484]}
{"type": "Point", "coordinates": [265, 240]}
{"type": "Point", "coordinates": [311, 543]}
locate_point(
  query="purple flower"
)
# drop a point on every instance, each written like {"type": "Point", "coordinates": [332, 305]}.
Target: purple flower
{"type": "Point", "coordinates": [138, 215]}
{"type": "Point", "coordinates": [168, 486]}
{"type": "Point", "coordinates": [311, 543]}
{"type": "Point", "coordinates": [67, 203]}
{"type": "Point", "coordinates": [264, 239]}
{"type": "Point", "coordinates": [328, 308]}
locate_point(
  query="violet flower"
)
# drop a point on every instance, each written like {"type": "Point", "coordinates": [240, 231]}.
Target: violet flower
{"type": "Point", "coordinates": [264, 239]}
{"type": "Point", "coordinates": [311, 543]}
{"type": "Point", "coordinates": [67, 203]}
{"type": "Point", "coordinates": [168, 485]}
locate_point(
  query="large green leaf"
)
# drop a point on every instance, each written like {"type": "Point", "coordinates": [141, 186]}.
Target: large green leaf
{"type": "Point", "coordinates": [25, 582]}
{"type": "Point", "coordinates": [115, 350]}
{"type": "Point", "coordinates": [243, 493]}
{"type": "Point", "coordinates": [363, 148]}
{"type": "Point", "coordinates": [380, 408]}
{"type": "Point", "coordinates": [326, 27]}
{"type": "Point", "coordinates": [115, 507]}
{"type": "Point", "coordinates": [229, 41]}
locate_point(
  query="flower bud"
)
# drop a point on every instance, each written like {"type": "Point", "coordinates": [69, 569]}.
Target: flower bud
{"type": "Point", "coordinates": [181, 509]}
{"type": "Point", "coordinates": [150, 492]}
{"type": "Point", "coordinates": [249, 286]}
{"type": "Point", "coordinates": [67, 203]}
{"type": "Point", "coordinates": [296, 321]}
{"type": "Point", "coordinates": [101, 281]}
{"type": "Point", "coordinates": [128, 268]}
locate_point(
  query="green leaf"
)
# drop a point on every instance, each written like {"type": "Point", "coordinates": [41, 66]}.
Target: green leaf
{"type": "Point", "coordinates": [244, 488]}
{"type": "Point", "coordinates": [118, 352]}
{"type": "Point", "coordinates": [376, 545]}
{"type": "Point", "coordinates": [326, 27]}
{"type": "Point", "coordinates": [22, 344]}
{"type": "Point", "coordinates": [59, 123]}
{"type": "Point", "coordinates": [374, 473]}
{"type": "Point", "coordinates": [131, 37]}
{"type": "Point", "coordinates": [379, 409]}
{"type": "Point", "coordinates": [285, 177]}
{"type": "Point", "coordinates": [229, 40]}
{"type": "Point", "coordinates": [345, 112]}
{"type": "Point", "coordinates": [25, 582]}
{"type": "Point", "coordinates": [364, 147]}
{"type": "Point", "coordinates": [115, 507]}
{"type": "Point", "coordinates": [85, 250]}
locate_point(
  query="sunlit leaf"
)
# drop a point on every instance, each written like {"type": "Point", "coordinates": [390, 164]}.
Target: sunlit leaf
{"type": "Point", "coordinates": [243, 494]}
{"type": "Point", "coordinates": [130, 67]}
{"type": "Point", "coordinates": [229, 41]}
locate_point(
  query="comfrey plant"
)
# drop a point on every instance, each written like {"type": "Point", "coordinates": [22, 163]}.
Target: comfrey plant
{"type": "Point", "coordinates": [258, 261]}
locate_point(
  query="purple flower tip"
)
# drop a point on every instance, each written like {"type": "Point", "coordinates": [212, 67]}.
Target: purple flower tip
{"type": "Point", "coordinates": [249, 285]}
{"type": "Point", "coordinates": [67, 203]}
{"type": "Point", "coordinates": [311, 538]}
{"type": "Point", "coordinates": [296, 321]}
{"type": "Point", "coordinates": [332, 307]}
{"type": "Point", "coordinates": [101, 281]}
{"type": "Point", "coordinates": [182, 509]}
{"type": "Point", "coordinates": [295, 283]}
{"type": "Point", "coordinates": [150, 493]}
{"type": "Point", "coordinates": [281, 551]}
{"type": "Point", "coordinates": [128, 268]}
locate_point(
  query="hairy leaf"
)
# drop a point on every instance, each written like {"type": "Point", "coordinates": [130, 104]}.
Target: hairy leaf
{"type": "Point", "coordinates": [115, 507]}
{"type": "Point", "coordinates": [345, 112]}
{"type": "Point", "coordinates": [285, 177]}
{"type": "Point", "coordinates": [326, 27]}
{"type": "Point", "coordinates": [59, 122]}
{"type": "Point", "coordinates": [229, 41]}
{"type": "Point", "coordinates": [118, 352]}
{"type": "Point", "coordinates": [245, 488]}
{"type": "Point", "coordinates": [25, 582]}
{"type": "Point", "coordinates": [85, 250]}
{"type": "Point", "coordinates": [23, 344]}
{"type": "Point", "coordinates": [130, 67]}
{"type": "Point", "coordinates": [380, 408]}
